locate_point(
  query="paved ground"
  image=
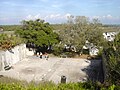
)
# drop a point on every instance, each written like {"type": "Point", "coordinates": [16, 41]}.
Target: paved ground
{"type": "Point", "coordinates": [36, 69]}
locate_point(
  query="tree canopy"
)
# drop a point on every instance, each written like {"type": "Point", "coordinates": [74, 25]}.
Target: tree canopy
{"type": "Point", "coordinates": [111, 58]}
{"type": "Point", "coordinates": [79, 29]}
{"type": "Point", "coordinates": [38, 32]}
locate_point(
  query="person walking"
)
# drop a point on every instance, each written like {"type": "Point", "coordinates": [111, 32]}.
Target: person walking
{"type": "Point", "coordinates": [37, 53]}
{"type": "Point", "coordinates": [41, 55]}
{"type": "Point", "coordinates": [46, 56]}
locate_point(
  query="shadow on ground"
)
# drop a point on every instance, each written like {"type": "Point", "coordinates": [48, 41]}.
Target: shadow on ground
{"type": "Point", "coordinates": [94, 71]}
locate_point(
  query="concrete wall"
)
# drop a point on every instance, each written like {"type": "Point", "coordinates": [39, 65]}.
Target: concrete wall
{"type": "Point", "coordinates": [10, 57]}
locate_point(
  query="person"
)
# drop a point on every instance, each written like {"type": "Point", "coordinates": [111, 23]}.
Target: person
{"type": "Point", "coordinates": [46, 56]}
{"type": "Point", "coordinates": [41, 55]}
{"type": "Point", "coordinates": [37, 53]}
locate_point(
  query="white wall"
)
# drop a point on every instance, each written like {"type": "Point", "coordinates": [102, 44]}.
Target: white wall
{"type": "Point", "coordinates": [11, 57]}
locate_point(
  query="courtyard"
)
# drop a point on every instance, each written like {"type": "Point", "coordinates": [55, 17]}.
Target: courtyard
{"type": "Point", "coordinates": [35, 69]}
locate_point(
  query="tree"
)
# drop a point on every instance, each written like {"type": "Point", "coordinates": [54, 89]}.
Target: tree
{"type": "Point", "coordinates": [117, 43]}
{"type": "Point", "coordinates": [70, 22]}
{"type": "Point", "coordinates": [38, 32]}
{"type": "Point", "coordinates": [112, 52]}
{"type": "Point", "coordinates": [82, 29]}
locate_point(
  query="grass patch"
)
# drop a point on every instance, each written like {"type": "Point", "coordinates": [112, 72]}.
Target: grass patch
{"type": "Point", "coordinates": [13, 84]}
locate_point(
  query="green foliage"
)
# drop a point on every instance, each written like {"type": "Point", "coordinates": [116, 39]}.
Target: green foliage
{"type": "Point", "coordinates": [57, 50]}
{"type": "Point", "coordinates": [52, 86]}
{"type": "Point", "coordinates": [13, 84]}
{"type": "Point", "coordinates": [99, 56]}
{"type": "Point", "coordinates": [58, 26]}
{"type": "Point", "coordinates": [113, 61]}
{"type": "Point", "coordinates": [69, 54]}
{"type": "Point", "coordinates": [117, 43]}
{"type": "Point", "coordinates": [79, 29]}
{"type": "Point", "coordinates": [7, 42]}
{"type": "Point", "coordinates": [38, 32]}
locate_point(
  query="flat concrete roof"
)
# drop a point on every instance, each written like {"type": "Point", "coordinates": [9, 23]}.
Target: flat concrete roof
{"type": "Point", "coordinates": [35, 69]}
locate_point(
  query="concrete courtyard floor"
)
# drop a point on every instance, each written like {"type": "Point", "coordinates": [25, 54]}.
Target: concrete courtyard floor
{"type": "Point", "coordinates": [33, 68]}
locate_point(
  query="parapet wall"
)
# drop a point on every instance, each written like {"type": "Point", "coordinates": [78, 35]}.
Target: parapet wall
{"type": "Point", "coordinates": [10, 57]}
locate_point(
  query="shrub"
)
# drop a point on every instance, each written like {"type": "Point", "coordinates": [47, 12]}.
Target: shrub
{"type": "Point", "coordinates": [7, 42]}
{"type": "Point", "coordinates": [70, 54]}
{"type": "Point", "coordinates": [57, 50]}
{"type": "Point", "coordinates": [22, 85]}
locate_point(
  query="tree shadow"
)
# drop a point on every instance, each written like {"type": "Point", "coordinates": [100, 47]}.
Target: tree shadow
{"type": "Point", "coordinates": [94, 71]}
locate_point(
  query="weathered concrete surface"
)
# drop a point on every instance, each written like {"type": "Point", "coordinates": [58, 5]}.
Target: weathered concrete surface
{"type": "Point", "coordinates": [35, 69]}
{"type": "Point", "coordinates": [10, 57]}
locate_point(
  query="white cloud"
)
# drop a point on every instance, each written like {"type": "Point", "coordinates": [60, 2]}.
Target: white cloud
{"type": "Point", "coordinates": [95, 17]}
{"type": "Point", "coordinates": [109, 16]}
{"type": "Point", "coordinates": [61, 18]}
{"type": "Point", "coordinates": [104, 17]}
{"type": "Point", "coordinates": [37, 16]}
{"type": "Point", "coordinates": [52, 18]}
{"type": "Point", "coordinates": [109, 19]}
{"type": "Point", "coordinates": [58, 16]}
{"type": "Point", "coordinates": [30, 17]}
{"type": "Point", "coordinates": [67, 15]}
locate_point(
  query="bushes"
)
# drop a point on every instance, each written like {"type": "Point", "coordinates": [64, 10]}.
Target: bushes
{"type": "Point", "coordinates": [52, 86]}
{"type": "Point", "coordinates": [7, 42]}
{"type": "Point", "coordinates": [13, 84]}
{"type": "Point", "coordinates": [57, 50]}
{"type": "Point", "coordinates": [70, 54]}
{"type": "Point", "coordinates": [112, 62]}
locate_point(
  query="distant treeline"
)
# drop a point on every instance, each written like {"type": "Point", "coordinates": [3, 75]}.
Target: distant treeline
{"type": "Point", "coordinates": [10, 27]}
{"type": "Point", "coordinates": [111, 25]}
{"type": "Point", "coordinates": [106, 27]}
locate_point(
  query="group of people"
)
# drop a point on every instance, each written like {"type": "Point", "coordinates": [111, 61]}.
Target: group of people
{"type": "Point", "coordinates": [41, 55]}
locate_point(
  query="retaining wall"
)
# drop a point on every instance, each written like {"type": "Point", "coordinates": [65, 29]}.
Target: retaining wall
{"type": "Point", "coordinates": [10, 57]}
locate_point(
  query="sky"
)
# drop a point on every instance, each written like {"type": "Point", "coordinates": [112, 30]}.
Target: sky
{"type": "Point", "coordinates": [56, 11]}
